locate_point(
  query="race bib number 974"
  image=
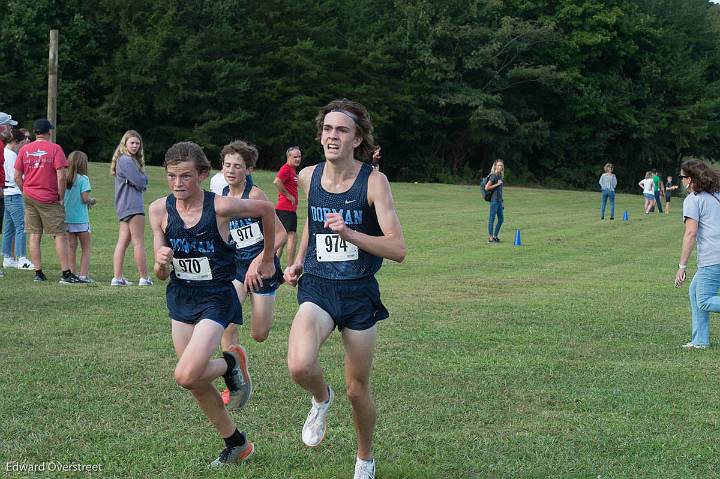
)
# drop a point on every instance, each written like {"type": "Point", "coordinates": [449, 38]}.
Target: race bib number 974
{"type": "Point", "coordinates": [334, 248]}
{"type": "Point", "coordinates": [247, 235]}
{"type": "Point", "coordinates": [192, 269]}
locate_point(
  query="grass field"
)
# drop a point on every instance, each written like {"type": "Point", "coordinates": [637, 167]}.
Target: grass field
{"type": "Point", "coordinates": [558, 358]}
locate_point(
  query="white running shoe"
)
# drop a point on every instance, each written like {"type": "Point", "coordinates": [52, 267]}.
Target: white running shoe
{"type": "Point", "coordinates": [120, 282]}
{"type": "Point", "coordinates": [9, 262]}
{"type": "Point", "coordinates": [364, 469]}
{"type": "Point", "coordinates": [313, 432]}
{"type": "Point", "coordinates": [25, 264]}
{"type": "Point", "coordinates": [145, 282]}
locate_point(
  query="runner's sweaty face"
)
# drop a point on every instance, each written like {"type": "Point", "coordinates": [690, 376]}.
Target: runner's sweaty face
{"type": "Point", "coordinates": [184, 180]}
{"type": "Point", "coordinates": [338, 136]}
{"type": "Point", "coordinates": [234, 169]}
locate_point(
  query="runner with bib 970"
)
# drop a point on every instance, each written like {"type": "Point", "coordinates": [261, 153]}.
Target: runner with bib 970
{"type": "Point", "coordinates": [193, 248]}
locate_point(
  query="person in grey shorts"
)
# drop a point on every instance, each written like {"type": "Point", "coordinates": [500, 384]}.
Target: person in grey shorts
{"type": "Point", "coordinates": [128, 168]}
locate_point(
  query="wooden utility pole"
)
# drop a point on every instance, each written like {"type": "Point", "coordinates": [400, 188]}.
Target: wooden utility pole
{"type": "Point", "coordinates": [52, 81]}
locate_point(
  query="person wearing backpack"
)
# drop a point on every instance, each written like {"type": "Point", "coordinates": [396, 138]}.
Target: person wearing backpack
{"type": "Point", "coordinates": [487, 194]}
{"type": "Point", "coordinates": [494, 186]}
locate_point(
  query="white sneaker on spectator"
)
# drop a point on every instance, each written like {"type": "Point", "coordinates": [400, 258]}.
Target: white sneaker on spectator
{"type": "Point", "coordinates": [120, 282]}
{"type": "Point", "coordinates": [145, 282]}
{"type": "Point", "coordinates": [25, 264]}
{"type": "Point", "coordinates": [9, 262]}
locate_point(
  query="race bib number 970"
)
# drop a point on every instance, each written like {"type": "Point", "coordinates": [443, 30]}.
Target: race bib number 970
{"type": "Point", "coordinates": [247, 235]}
{"type": "Point", "coordinates": [334, 248]}
{"type": "Point", "coordinates": [192, 269]}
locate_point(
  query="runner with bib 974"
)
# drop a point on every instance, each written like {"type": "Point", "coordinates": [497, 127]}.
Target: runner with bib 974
{"type": "Point", "coordinates": [352, 225]}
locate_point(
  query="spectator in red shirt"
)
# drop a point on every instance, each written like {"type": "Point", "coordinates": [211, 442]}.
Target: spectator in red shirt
{"type": "Point", "coordinates": [286, 182]}
{"type": "Point", "coordinates": [40, 171]}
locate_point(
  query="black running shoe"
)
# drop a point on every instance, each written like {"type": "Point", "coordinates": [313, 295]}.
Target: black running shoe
{"type": "Point", "coordinates": [238, 380]}
{"type": "Point", "coordinates": [71, 279]}
{"type": "Point", "coordinates": [40, 276]}
{"type": "Point", "coordinates": [234, 455]}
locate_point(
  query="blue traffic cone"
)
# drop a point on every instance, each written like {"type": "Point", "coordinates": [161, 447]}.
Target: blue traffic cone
{"type": "Point", "coordinates": [517, 238]}
{"type": "Point", "coordinates": [626, 217]}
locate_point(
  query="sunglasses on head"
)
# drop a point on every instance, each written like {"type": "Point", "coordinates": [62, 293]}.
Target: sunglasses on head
{"type": "Point", "coordinates": [682, 177]}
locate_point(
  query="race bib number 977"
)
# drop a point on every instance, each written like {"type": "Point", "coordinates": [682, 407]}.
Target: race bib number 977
{"type": "Point", "coordinates": [334, 248]}
{"type": "Point", "coordinates": [192, 269]}
{"type": "Point", "coordinates": [246, 235]}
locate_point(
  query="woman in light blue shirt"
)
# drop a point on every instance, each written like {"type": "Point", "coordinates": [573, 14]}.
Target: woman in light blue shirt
{"type": "Point", "coordinates": [701, 214]}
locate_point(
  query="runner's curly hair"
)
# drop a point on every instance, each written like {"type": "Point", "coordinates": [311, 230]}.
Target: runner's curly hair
{"type": "Point", "coordinates": [363, 126]}
{"type": "Point", "coordinates": [247, 152]}
{"type": "Point", "coordinates": [703, 176]}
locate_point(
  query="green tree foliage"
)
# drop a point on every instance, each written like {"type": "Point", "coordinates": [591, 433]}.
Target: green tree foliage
{"type": "Point", "coordinates": [556, 88]}
{"type": "Point", "coordinates": [473, 68]}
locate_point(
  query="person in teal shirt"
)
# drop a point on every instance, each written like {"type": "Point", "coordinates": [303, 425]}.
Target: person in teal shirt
{"type": "Point", "coordinates": [77, 217]}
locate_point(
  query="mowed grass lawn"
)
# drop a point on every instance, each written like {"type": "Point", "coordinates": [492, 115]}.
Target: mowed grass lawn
{"type": "Point", "coordinates": [559, 358]}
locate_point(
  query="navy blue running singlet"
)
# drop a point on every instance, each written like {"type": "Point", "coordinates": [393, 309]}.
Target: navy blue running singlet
{"type": "Point", "coordinates": [328, 256]}
{"type": "Point", "coordinates": [200, 255]}
{"type": "Point", "coordinates": [246, 233]}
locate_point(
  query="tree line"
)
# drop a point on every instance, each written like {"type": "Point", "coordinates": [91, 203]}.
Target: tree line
{"type": "Point", "coordinates": [555, 88]}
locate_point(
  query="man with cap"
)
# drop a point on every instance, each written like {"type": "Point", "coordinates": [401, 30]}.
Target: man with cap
{"type": "Point", "coordinates": [40, 171]}
{"type": "Point", "coordinates": [6, 124]}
